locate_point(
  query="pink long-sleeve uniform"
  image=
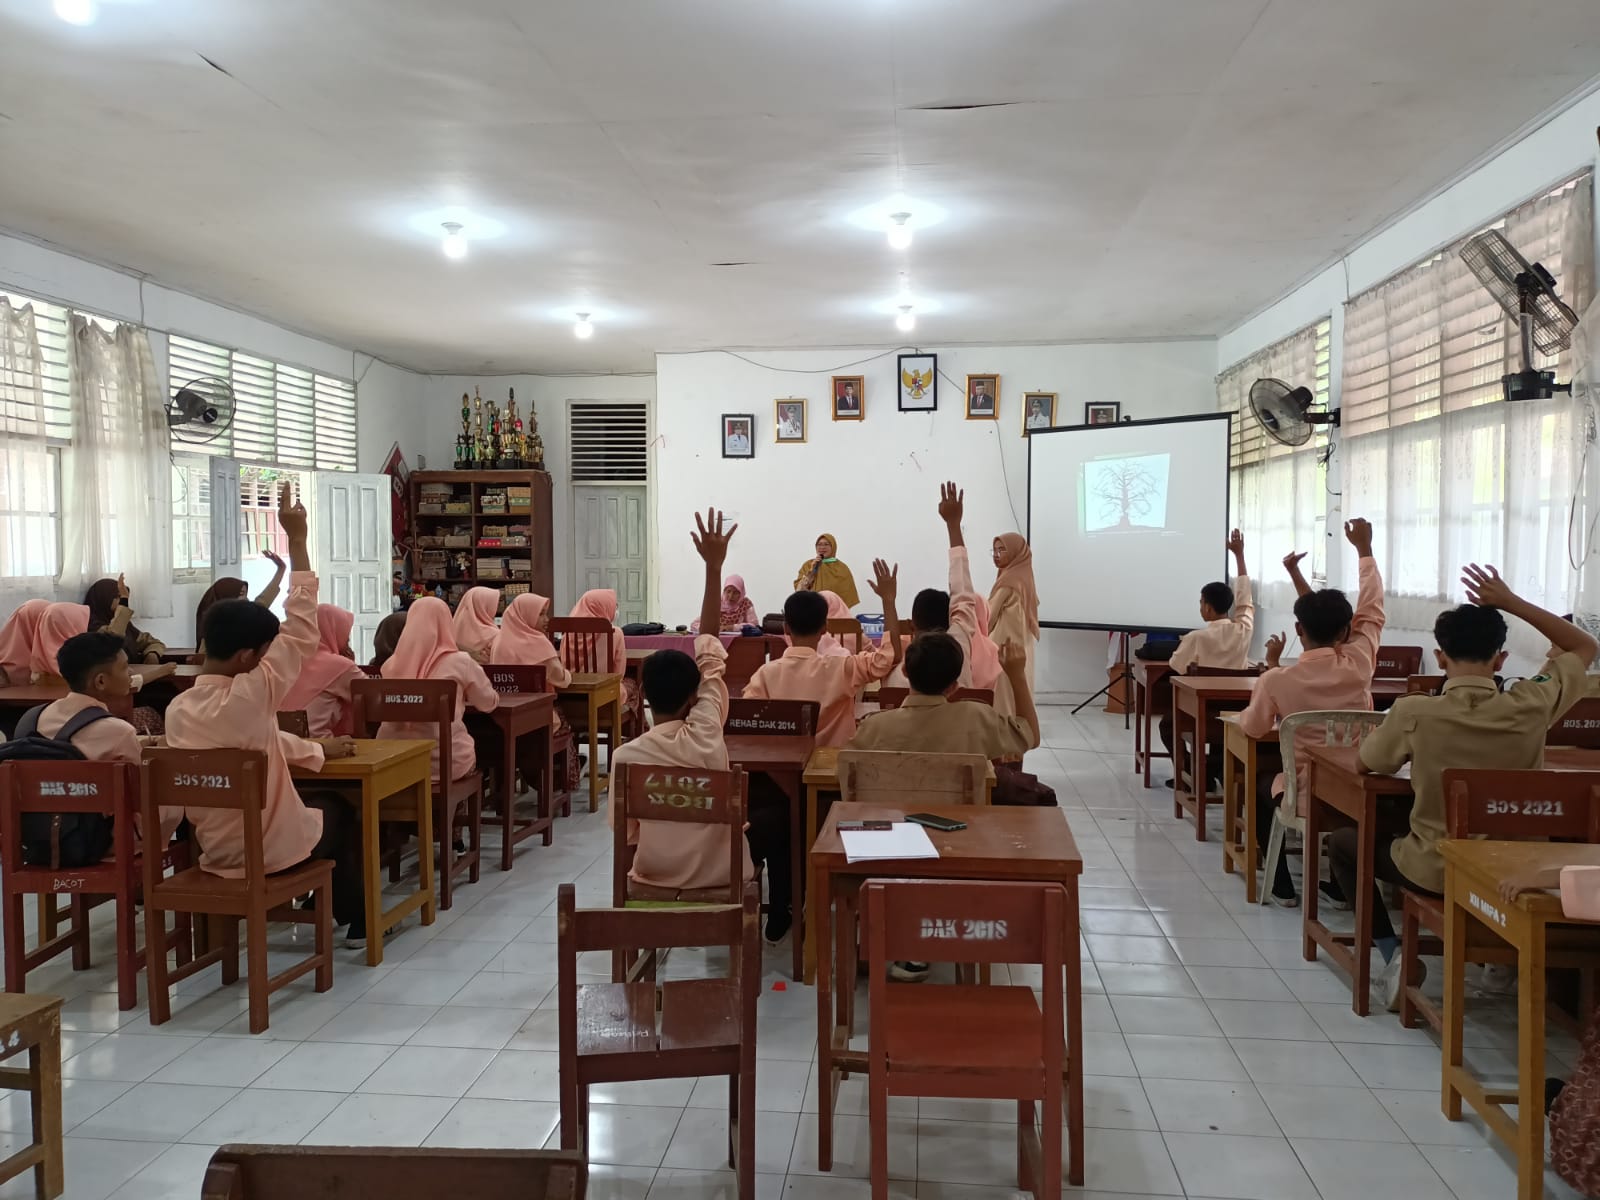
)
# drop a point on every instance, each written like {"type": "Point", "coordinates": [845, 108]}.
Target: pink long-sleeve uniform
{"type": "Point", "coordinates": [472, 689]}
{"type": "Point", "coordinates": [803, 674]}
{"type": "Point", "coordinates": [963, 617]}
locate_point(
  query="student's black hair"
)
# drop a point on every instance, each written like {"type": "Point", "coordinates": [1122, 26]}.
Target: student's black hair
{"type": "Point", "coordinates": [670, 679]}
{"type": "Point", "coordinates": [81, 656]}
{"type": "Point", "coordinates": [235, 625]}
{"type": "Point", "coordinates": [930, 611]}
{"type": "Point", "coordinates": [1324, 615]}
{"type": "Point", "coordinates": [1472, 633]}
{"type": "Point", "coordinates": [933, 663]}
{"type": "Point", "coordinates": [1219, 596]}
{"type": "Point", "coordinates": [805, 613]}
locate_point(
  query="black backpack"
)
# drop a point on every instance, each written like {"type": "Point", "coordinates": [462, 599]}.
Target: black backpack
{"type": "Point", "coordinates": [83, 839]}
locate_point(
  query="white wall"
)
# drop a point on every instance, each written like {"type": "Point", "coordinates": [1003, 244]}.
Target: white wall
{"type": "Point", "coordinates": [875, 483]}
{"type": "Point", "coordinates": [548, 396]}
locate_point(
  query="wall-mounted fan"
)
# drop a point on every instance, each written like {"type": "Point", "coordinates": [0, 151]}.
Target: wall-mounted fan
{"type": "Point", "coordinates": [1286, 413]}
{"type": "Point", "coordinates": [200, 410]}
{"type": "Point", "coordinates": [1528, 294]}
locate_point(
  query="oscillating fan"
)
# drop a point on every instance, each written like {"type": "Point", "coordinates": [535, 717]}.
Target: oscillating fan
{"type": "Point", "coordinates": [1285, 412]}
{"type": "Point", "coordinates": [1528, 294]}
{"type": "Point", "coordinates": [201, 410]}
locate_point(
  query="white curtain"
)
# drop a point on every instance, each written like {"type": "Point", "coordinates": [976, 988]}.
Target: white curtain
{"type": "Point", "coordinates": [116, 478]}
{"type": "Point", "coordinates": [1448, 472]}
{"type": "Point", "coordinates": [28, 494]}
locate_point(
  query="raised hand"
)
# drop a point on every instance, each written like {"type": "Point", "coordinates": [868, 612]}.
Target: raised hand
{"type": "Point", "coordinates": [122, 587]}
{"type": "Point", "coordinates": [1484, 586]}
{"type": "Point", "coordinates": [1236, 543]}
{"type": "Point", "coordinates": [1358, 532]}
{"type": "Point", "coordinates": [952, 503]}
{"type": "Point", "coordinates": [1291, 560]}
{"type": "Point", "coordinates": [1275, 645]}
{"type": "Point", "coordinates": [291, 519]}
{"type": "Point", "coordinates": [1013, 659]}
{"type": "Point", "coordinates": [885, 582]}
{"type": "Point", "coordinates": [712, 540]}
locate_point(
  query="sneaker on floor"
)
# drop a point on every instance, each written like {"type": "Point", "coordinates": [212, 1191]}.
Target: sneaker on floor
{"type": "Point", "coordinates": [909, 972]}
{"type": "Point", "coordinates": [1277, 901]}
{"type": "Point", "coordinates": [1329, 896]}
{"type": "Point", "coordinates": [779, 921]}
{"type": "Point", "coordinates": [1494, 980]}
{"type": "Point", "coordinates": [355, 938]}
{"type": "Point", "coordinates": [1386, 988]}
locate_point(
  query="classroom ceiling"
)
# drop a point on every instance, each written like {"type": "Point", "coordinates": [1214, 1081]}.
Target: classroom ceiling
{"type": "Point", "coordinates": [688, 171]}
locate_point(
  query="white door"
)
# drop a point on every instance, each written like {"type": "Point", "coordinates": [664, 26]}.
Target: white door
{"type": "Point", "coordinates": [610, 528]}
{"type": "Point", "coordinates": [352, 550]}
{"type": "Point", "coordinates": [227, 541]}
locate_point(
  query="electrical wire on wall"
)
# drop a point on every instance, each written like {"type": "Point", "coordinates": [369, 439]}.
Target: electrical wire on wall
{"type": "Point", "coordinates": [1005, 473]}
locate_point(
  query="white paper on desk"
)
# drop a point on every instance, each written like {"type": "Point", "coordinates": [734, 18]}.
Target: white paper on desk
{"type": "Point", "coordinates": [900, 840]}
{"type": "Point", "coordinates": [1404, 772]}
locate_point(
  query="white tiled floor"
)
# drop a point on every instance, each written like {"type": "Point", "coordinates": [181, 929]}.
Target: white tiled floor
{"type": "Point", "coordinates": [1219, 1063]}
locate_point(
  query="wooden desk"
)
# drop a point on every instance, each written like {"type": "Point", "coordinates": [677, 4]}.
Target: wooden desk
{"type": "Point", "coordinates": [19, 698]}
{"type": "Point", "coordinates": [1385, 692]}
{"type": "Point", "coordinates": [783, 759]}
{"type": "Point", "coordinates": [1032, 845]}
{"type": "Point", "coordinates": [33, 1023]}
{"type": "Point", "coordinates": [520, 715]}
{"type": "Point", "coordinates": [1145, 677]}
{"type": "Point", "coordinates": [396, 782]}
{"type": "Point", "coordinates": [821, 777]}
{"type": "Point", "coordinates": [1535, 928]}
{"type": "Point", "coordinates": [1195, 700]}
{"type": "Point", "coordinates": [596, 693]}
{"type": "Point", "coordinates": [1241, 762]}
{"type": "Point", "coordinates": [635, 666]}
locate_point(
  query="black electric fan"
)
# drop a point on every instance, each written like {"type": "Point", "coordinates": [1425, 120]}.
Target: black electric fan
{"type": "Point", "coordinates": [200, 410]}
{"type": "Point", "coordinates": [1528, 294]}
{"type": "Point", "coordinates": [1285, 412]}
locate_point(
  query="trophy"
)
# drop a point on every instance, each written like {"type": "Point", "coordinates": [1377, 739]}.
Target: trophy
{"type": "Point", "coordinates": [480, 439]}
{"type": "Point", "coordinates": [517, 449]}
{"type": "Point", "coordinates": [533, 450]}
{"type": "Point", "coordinates": [498, 432]}
{"type": "Point", "coordinates": [464, 438]}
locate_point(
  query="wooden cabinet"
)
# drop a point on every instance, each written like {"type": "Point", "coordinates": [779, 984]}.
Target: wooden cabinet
{"type": "Point", "coordinates": [482, 529]}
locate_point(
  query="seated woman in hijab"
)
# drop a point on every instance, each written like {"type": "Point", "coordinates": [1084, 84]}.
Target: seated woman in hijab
{"type": "Point", "coordinates": [1014, 609]}
{"type": "Point", "coordinates": [322, 691]}
{"type": "Point", "coordinates": [16, 641]}
{"type": "Point", "coordinates": [104, 598]}
{"type": "Point", "coordinates": [612, 658]}
{"type": "Point", "coordinates": [229, 588]}
{"type": "Point", "coordinates": [427, 650]}
{"type": "Point", "coordinates": [738, 610]}
{"type": "Point", "coordinates": [523, 641]}
{"type": "Point", "coordinates": [825, 573]}
{"type": "Point", "coordinates": [474, 622]}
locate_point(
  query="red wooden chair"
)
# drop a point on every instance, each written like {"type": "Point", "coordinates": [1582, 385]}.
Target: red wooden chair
{"type": "Point", "coordinates": [1424, 685]}
{"type": "Point", "coordinates": [234, 780]}
{"type": "Point", "coordinates": [1398, 662]}
{"type": "Point", "coordinates": [772, 718]}
{"type": "Point", "coordinates": [623, 1032]}
{"type": "Point", "coordinates": [894, 697]}
{"type": "Point", "coordinates": [679, 796]}
{"type": "Point", "coordinates": [1579, 726]}
{"type": "Point", "coordinates": [586, 650]}
{"type": "Point", "coordinates": [393, 1172]}
{"type": "Point", "coordinates": [457, 803]}
{"type": "Point", "coordinates": [1556, 806]}
{"type": "Point", "coordinates": [518, 679]}
{"type": "Point", "coordinates": [108, 788]}
{"type": "Point", "coordinates": [296, 722]}
{"type": "Point", "coordinates": [960, 1041]}
{"type": "Point", "coordinates": [847, 627]}
{"type": "Point", "coordinates": [745, 656]}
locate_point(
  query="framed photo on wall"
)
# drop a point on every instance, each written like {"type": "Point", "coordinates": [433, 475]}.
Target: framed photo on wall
{"type": "Point", "coordinates": [791, 416]}
{"type": "Point", "coordinates": [849, 397]}
{"type": "Point", "coordinates": [983, 397]}
{"type": "Point", "coordinates": [1038, 411]}
{"type": "Point", "coordinates": [1102, 412]}
{"type": "Point", "coordinates": [919, 382]}
{"type": "Point", "coordinates": [738, 435]}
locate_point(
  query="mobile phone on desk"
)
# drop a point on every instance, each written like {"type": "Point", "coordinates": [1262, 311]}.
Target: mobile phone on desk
{"type": "Point", "coordinates": [942, 824]}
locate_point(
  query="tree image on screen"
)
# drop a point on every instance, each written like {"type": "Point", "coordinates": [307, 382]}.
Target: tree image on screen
{"type": "Point", "coordinates": [1125, 493]}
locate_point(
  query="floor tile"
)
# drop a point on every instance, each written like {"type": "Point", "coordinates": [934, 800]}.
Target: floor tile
{"type": "Point", "coordinates": [701, 1140]}
{"type": "Point", "coordinates": [128, 1057]}
{"type": "Point", "coordinates": [1127, 1161]}
{"type": "Point", "coordinates": [1330, 1112]}
{"type": "Point", "coordinates": [631, 1135]}
{"type": "Point", "coordinates": [1360, 1169]}
{"type": "Point", "coordinates": [223, 1062]}
{"type": "Point", "coordinates": [1163, 1056]}
{"type": "Point", "coordinates": [428, 1071]}
{"type": "Point", "coordinates": [177, 1171]}
{"type": "Point", "coordinates": [325, 1067]}
{"type": "Point", "coordinates": [368, 1120]}
{"type": "Point", "coordinates": [521, 1075]}
{"type": "Point", "coordinates": [1266, 1019]}
{"type": "Point", "coordinates": [1207, 1106]}
{"type": "Point", "coordinates": [1240, 1168]}
{"type": "Point", "coordinates": [1165, 1014]}
{"type": "Point", "coordinates": [266, 1117]}
{"type": "Point", "coordinates": [155, 1112]}
{"type": "Point", "coordinates": [1311, 1063]}
{"type": "Point", "coordinates": [496, 1124]}
{"type": "Point", "coordinates": [379, 1024]}
{"type": "Point", "coordinates": [852, 1149]}
{"type": "Point", "coordinates": [1238, 983]}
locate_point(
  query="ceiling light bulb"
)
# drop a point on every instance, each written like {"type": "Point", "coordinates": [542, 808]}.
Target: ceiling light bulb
{"type": "Point", "coordinates": [900, 232]}
{"type": "Point", "coordinates": [584, 329]}
{"type": "Point", "coordinates": [77, 12]}
{"type": "Point", "coordinates": [907, 320]}
{"type": "Point", "coordinates": [455, 240]}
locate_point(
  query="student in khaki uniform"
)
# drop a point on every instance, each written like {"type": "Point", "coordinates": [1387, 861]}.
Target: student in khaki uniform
{"type": "Point", "coordinates": [1470, 724]}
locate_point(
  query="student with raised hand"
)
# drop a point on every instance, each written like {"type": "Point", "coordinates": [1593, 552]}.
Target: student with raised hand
{"type": "Point", "coordinates": [954, 612]}
{"type": "Point", "coordinates": [104, 599]}
{"type": "Point", "coordinates": [474, 622]}
{"type": "Point", "coordinates": [323, 689]}
{"type": "Point", "coordinates": [1471, 723]}
{"type": "Point", "coordinates": [931, 724]}
{"type": "Point", "coordinates": [251, 662]}
{"type": "Point", "coordinates": [1334, 672]}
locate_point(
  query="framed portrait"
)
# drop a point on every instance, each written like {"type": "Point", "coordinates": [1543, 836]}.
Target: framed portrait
{"type": "Point", "coordinates": [791, 416]}
{"type": "Point", "coordinates": [1038, 411]}
{"type": "Point", "coordinates": [738, 435]}
{"type": "Point", "coordinates": [849, 397]}
{"type": "Point", "coordinates": [983, 397]}
{"type": "Point", "coordinates": [919, 382]}
{"type": "Point", "coordinates": [1102, 412]}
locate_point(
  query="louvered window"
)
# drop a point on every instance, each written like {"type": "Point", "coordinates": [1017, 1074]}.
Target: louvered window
{"type": "Point", "coordinates": [609, 443]}
{"type": "Point", "coordinates": [35, 423]}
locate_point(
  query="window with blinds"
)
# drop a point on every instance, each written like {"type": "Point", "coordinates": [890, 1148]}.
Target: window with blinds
{"type": "Point", "coordinates": [285, 415]}
{"type": "Point", "coordinates": [45, 410]}
{"type": "Point", "coordinates": [608, 443]}
{"type": "Point", "coordinates": [35, 423]}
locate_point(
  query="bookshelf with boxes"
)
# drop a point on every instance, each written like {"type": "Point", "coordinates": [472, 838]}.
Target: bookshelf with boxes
{"type": "Point", "coordinates": [481, 529]}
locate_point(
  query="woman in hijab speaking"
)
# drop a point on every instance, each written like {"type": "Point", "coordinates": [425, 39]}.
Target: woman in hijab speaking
{"type": "Point", "coordinates": [825, 573]}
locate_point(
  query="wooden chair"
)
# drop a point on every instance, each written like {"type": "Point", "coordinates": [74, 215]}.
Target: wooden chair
{"type": "Point", "coordinates": [233, 780]}
{"type": "Point", "coordinates": [981, 1043]}
{"type": "Point", "coordinates": [457, 803]}
{"type": "Point", "coordinates": [680, 796]}
{"type": "Point", "coordinates": [296, 722]}
{"type": "Point", "coordinates": [1221, 672]}
{"type": "Point", "coordinates": [772, 718]}
{"type": "Point", "coordinates": [522, 680]}
{"type": "Point", "coordinates": [1424, 685]}
{"type": "Point", "coordinates": [1398, 662]}
{"type": "Point", "coordinates": [586, 650]}
{"type": "Point", "coordinates": [394, 1172]}
{"type": "Point", "coordinates": [745, 656]}
{"type": "Point", "coordinates": [1546, 806]}
{"type": "Point", "coordinates": [626, 1032]}
{"type": "Point", "coordinates": [1339, 728]}
{"type": "Point", "coordinates": [912, 780]}
{"type": "Point", "coordinates": [33, 1024]}
{"type": "Point", "coordinates": [848, 627]}
{"type": "Point", "coordinates": [111, 789]}
{"type": "Point", "coordinates": [894, 697]}
{"type": "Point", "coordinates": [1580, 726]}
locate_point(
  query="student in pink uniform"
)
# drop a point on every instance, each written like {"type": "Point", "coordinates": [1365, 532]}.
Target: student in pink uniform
{"type": "Point", "coordinates": [16, 641]}
{"type": "Point", "coordinates": [475, 629]}
{"type": "Point", "coordinates": [250, 664]}
{"type": "Point", "coordinates": [428, 650]}
{"type": "Point", "coordinates": [986, 672]}
{"type": "Point", "coordinates": [602, 603]}
{"type": "Point", "coordinates": [828, 646]}
{"type": "Point", "coordinates": [524, 640]}
{"type": "Point", "coordinates": [59, 622]}
{"type": "Point", "coordinates": [323, 689]}
{"type": "Point", "coordinates": [954, 612]}
{"type": "Point", "coordinates": [690, 702]}
{"type": "Point", "coordinates": [1334, 672]}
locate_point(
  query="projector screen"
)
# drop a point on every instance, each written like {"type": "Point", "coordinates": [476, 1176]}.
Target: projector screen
{"type": "Point", "coordinates": [1128, 521]}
